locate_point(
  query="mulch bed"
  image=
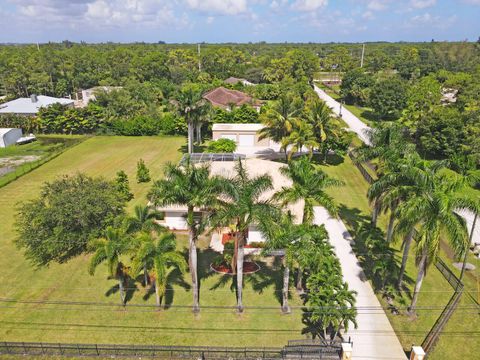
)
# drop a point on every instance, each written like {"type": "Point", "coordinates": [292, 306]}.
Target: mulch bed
{"type": "Point", "coordinates": [249, 267]}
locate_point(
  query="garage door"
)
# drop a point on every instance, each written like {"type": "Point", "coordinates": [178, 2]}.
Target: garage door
{"type": "Point", "coordinates": [246, 140]}
{"type": "Point", "coordinates": [227, 136]}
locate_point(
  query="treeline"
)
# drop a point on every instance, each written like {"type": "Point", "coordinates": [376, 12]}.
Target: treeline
{"type": "Point", "coordinates": [62, 69]}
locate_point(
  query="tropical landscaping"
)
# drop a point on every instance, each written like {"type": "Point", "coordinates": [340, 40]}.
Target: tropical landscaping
{"type": "Point", "coordinates": [86, 256]}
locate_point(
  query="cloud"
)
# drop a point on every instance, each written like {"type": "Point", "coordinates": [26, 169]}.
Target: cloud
{"type": "Point", "coordinates": [422, 4]}
{"type": "Point", "coordinates": [377, 5]}
{"type": "Point", "coordinates": [430, 20]}
{"type": "Point", "coordinates": [368, 15]}
{"type": "Point", "coordinates": [472, 2]}
{"type": "Point", "coordinates": [222, 7]}
{"type": "Point", "coordinates": [97, 13]}
{"type": "Point", "coordinates": [309, 5]}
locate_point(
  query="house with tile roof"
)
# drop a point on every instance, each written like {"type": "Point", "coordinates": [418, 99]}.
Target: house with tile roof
{"type": "Point", "coordinates": [226, 98]}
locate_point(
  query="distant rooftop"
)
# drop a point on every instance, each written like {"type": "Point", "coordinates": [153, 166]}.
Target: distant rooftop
{"type": "Point", "coordinates": [233, 80]}
{"type": "Point", "coordinates": [31, 105]}
{"type": "Point", "coordinates": [224, 98]}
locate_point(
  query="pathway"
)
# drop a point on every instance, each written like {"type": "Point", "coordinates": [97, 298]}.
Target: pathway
{"type": "Point", "coordinates": [354, 123]}
{"type": "Point", "coordinates": [374, 338]}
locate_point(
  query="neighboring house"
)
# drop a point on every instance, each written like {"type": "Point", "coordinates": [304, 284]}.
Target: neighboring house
{"type": "Point", "coordinates": [226, 98]}
{"type": "Point", "coordinates": [233, 81]}
{"type": "Point", "coordinates": [30, 106]}
{"type": "Point", "coordinates": [9, 136]}
{"type": "Point", "coordinates": [89, 94]}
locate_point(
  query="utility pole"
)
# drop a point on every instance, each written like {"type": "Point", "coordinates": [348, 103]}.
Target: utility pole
{"type": "Point", "coordinates": [199, 59]}
{"type": "Point", "coordinates": [38, 46]}
{"type": "Point", "coordinates": [363, 54]}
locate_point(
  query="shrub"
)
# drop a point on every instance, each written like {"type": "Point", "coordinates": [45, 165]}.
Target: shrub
{"type": "Point", "coordinates": [122, 186]}
{"type": "Point", "coordinates": [143, 174]}
{"type": "Point", "coordinates": [222, 146]}
{"type": "Point", "coordinates": [140, 125]}
{"type": "Point", "coordinates": [68, 213]}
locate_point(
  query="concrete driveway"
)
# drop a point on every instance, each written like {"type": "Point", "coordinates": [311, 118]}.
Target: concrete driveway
{"type": "Point", "coordinates": [374, 338]}
{"type": "Point", "coordinates": [351, 120]}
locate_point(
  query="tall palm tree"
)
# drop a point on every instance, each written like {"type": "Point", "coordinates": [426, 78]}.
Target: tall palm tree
{"type": "Point", "coordinates": [145, 220]}
{"type": "Point", "coordinates": [309, 183]}
{"type": "Point", "coordinates": [325, 126]}
{"type": "Point", "coordinates": [301, 136]}
{"type": "Point", "coordinates": [108, 250]}
{"type": "Point", "coordinates": [242, 205]}
{"type": "Point", "coordinates": [160, 256]}
{"type": "Point", "coordinates": [191, 186]}
{"type": "Point", "coordinates": [190, 104]}
{"type": "Point", "coordinates": [409, 179]}
{"type": "Point", "coordinates": [281, 234]}
{"type": "Point", "coordinates": [278, 120]}
{"type": "Point", "coordinates": [433, 214]}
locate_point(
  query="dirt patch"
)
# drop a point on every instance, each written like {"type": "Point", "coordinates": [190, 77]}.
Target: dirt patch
{"type": "Point", "coordinates": [17, 160]}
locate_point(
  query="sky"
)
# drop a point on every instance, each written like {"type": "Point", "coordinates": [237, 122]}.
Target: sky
{"type": "Point", "coordinates": [217, 21]}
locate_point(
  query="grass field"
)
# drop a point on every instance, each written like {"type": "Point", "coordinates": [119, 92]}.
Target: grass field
{"type": "Point", "coordinates": [104, 156]}
{"type": "Point", "coordinates": [456, 343]}
{"type": "Point", "coordinates": [106, 322]}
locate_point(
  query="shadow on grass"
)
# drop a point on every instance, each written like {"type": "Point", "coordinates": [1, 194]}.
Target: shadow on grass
{"type": "Point", "coordinates": [379, 261]}
{"type": "Point", "coordinates": [130, 288]}
{"type": "Point", "coordinates": [196, 148]}
{"type": "Point", "coordinates": [267, 276]}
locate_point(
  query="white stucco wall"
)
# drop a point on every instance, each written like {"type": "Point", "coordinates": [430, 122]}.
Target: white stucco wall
{"type": "Point", "coordinates": [254, 235]}
{"type": "Point", "coordinates": [175, 220]}
{"type": "Point", "coordinates": [10, 137]}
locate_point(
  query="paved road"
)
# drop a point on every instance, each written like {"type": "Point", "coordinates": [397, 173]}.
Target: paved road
{"type": "Point", "coordinates": [354, 123]}
{"type": "Point", "coordinates": [374, 338]}
{"type": "Point", "coordinates": [359, 127]}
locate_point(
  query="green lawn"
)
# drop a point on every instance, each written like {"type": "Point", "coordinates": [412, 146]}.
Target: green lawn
{"type": "Point", "coordinates": [463, 326]}
{"type": "Point", "coordinates": [104, 156]}
{"type": "Point", "coordinates": [263, 325]}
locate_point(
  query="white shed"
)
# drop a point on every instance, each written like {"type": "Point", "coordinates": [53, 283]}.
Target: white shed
{"type": "Point", "coordinates": [9, 136]}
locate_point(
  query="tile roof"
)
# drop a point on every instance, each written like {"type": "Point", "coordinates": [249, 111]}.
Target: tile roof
{"type": "Point", "coordinates": [223, 97]}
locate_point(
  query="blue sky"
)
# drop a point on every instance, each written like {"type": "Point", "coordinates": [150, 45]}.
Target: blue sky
{"type": "Point", "coordinates": [238, 20]}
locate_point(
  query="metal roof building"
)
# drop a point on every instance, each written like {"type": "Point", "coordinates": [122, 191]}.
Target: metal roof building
{"type": "Point", "coordinates": [31, 105]}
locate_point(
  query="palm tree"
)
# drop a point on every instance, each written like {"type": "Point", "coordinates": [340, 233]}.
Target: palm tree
{"type": "Point", "coordinates": [409, 179]}
{"type": "Point", "coordinates": [278, 120]}
{"type": "Point", "coordinates": [109, 249]}
{"type": "Point", "coordinates": [160, 256]}
{"type": "Point", "coordinates": [433, 214]}
{"type": "Point", "coordinates": [242, 205]}
{"type": "Point", "coordinates": [320, 116]}
{"type": "Point", "coordinates": [301, 136]}
{"type": "Point", "coordinates": [281, 234]}
{"type": "Point", "coordinates": [190, 104]}
{"type": "Point", "coordinates": [309, 184]}
{"type": "Point", "coordinates": [191, 186]}
{"type": "Point", "coordinates": [145, 220]}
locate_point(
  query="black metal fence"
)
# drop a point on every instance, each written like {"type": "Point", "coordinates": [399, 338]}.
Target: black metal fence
{"type": "Point", "coordinates": [298, 351]}
{"type": "Point", "coordinates": [366, 175]}
{"type": "Point", "coordinates": [432, 337]}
